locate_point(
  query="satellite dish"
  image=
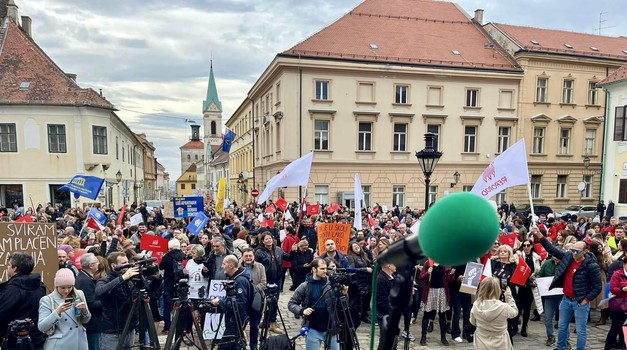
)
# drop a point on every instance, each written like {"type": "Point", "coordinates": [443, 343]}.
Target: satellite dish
{"type": "Point", "coordinates": [581, 186]}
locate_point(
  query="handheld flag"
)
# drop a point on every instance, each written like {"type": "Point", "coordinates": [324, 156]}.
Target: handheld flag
{"type": "Point", "coordinates": [507, 170]}
{"type": "Point", "coordinates": [198, 223]}
{"type": "Point", "coordinates": [97, 214]}
{"type": "Point", "coordinates": [137, 219]}
{"type": "Point", "coordinates": [288, 215]}
{"type": "Point", "coordinates": [24, 218]}
{"type": "Point", "coordinates": [95, 224]}
{"type": "Point", "coordinates": [267, 223]}
{"type": "Point", "coordinates": [86, 186]}
{"type": "Point", "coordinates": [295, 174]}
{"type": "Point", "coordinates": [487, 269]}
{"type": "Point", "coordinates": [371, 221]}
{"type": "Point", "coordinates": [313, 209]}
{"type": "Point", "coordinates": [121, 217]}
{"type": "Point", "coordinates": [271, 209]}
{"type": "Point", "coordinates": [359, 196]}
{"type": "Point", "coordinates": [333, 208]}
{"type": "Point", "coordinates": [522, 273]}
{"type": "Point", "coordinates": [281, 204]}
{"type": "Point", "coordinates": [229, 136]}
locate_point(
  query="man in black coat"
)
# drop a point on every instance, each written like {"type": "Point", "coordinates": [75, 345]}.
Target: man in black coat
{"type": "Point", "coordinates": [171, 261]}
{"type": "Point", "coordinates": [19, 298]}
{"type": "Point", "coordinates": [385, 281]}
{"type": "Point", "coordinates": [85, 281]}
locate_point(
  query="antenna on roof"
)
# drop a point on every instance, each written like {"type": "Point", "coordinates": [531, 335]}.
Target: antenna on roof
{"type": "Point", "coordinates": [601, 21]}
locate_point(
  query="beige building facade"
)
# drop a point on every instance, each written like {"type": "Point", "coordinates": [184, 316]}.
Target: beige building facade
{"type": "Point", "coordinates": [241, 179]}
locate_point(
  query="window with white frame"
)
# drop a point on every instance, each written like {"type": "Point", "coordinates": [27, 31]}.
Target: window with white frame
{"type": "Point", "coordinates": [367, 195]}
{"type": "Point", "coordinates": [433, 194]}
{"type": "Point", "coordinates": [402, 94]}
{"type": "Point", "coordinates": [588, 144]}
{"type": "Point", "coordinates": [501, 197]}
{"type": "Point", "coordinates": [435, 130]}
{"type": "Point", "coordinates": [472, 98]}
{"type": "Point", "coordinates": [365, 136]}
{"type": "Point", "coordinates": [117, 148]}
{"type": "Point", "coordinates": [467, 188]}
{"type": "Point", "coordinates": [322, 89]}
{"type": "Point", "coordinates": [100, 139]}
{"type": "Point", "coordinates": [560, 188]}
{"type": "Point", "coordinates": [565, 140]}
{"type": "Point", "coordinates": [56, 138]}
{"type": "Point", "coordinates": [321, 194]}
{"type": "Point", "coordinates": [321, 135]}
{"type": "Point", "coordinates": [593, 93]}
{"type": "Point", "coordinates": [542, 89]}
{"type": "Point", "coordinates": [567, 92]}
{"type": "Point", "coordinates": [470, 139]}
{"type": "Point", "coordinates": [538, 140]}
{"type": "Point", "coordinates": [620, 123]}
{"type": "Point", "coordinates": [587, 191]}
{"type": "Point", "coordinates": [536, 186]}
{"type": "Point", "coordinates": [8, 137]}
{"type": "Point", "coordinates": [503, 143]}
{"type": "Point", "coordinates": [400, 137]}
{"type": "Point", "coordinates": [398, 195]}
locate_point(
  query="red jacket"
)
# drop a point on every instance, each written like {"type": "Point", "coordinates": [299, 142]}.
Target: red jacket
{"type": "Point", "coordinates": [424, 277]}
{"type": "Point", "coordinates": [617, 282]}
{"type": "Point", "coordinates": [287, 244]}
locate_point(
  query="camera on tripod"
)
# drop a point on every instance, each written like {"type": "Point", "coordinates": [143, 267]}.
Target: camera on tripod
{"type": "Point", "coordinates": [146, 269]}
{"type": "Point", "coordinates": [230, 288]}
{"type": "Point", "coordinates": [271, 291]}
{"type": "Point", "coordinates": [21, 327]}
{"type": "Point", "coordinates": [342, 277]}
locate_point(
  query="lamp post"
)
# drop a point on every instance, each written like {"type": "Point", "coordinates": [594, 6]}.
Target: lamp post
{"type": "Point", "coordinates": [428, 158]}
{"type": "Point", "coordinates": [118, 178]}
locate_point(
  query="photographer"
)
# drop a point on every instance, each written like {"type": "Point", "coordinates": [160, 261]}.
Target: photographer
{"type": "Point", "coordinates": [116, 292]}
{"type": "Point", "coordinates": [241, 289]}
{"type": "Point", "coordinates": [172, 266]}
{"type": "Point", "coordinates": [20, 298]}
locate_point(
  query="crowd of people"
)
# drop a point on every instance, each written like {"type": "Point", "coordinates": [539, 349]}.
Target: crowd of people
{"type": "Point", "coordinates": [258, 248]}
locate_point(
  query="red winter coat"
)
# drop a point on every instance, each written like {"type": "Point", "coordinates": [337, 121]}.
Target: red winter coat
{"type": "Point", "coordinates": [424, 278]}
{"type": "Point", "coordinates": [287, 244]}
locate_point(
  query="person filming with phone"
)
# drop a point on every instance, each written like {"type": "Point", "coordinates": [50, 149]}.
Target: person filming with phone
{"type": "Point", "coordinates": [489, 314]}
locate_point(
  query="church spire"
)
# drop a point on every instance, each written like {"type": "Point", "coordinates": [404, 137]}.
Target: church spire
{"type": "Point", "coordinates": [212, 92]}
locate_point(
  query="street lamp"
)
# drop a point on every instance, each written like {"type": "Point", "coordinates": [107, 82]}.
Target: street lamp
{"type": "Point", "coordinates": [118, 178]}
{"type": "Point", "coordinates": [428, 158]}
{"type": "Point", "coordinates": [586, 162]}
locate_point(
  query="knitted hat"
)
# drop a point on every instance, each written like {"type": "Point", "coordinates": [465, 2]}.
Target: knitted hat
{"type": "Point", "coordinates": [174, 244]}
{"type": "Point", "coordinates": [66, 247]}
{"type": "Point", "coordinates": [64, 277]}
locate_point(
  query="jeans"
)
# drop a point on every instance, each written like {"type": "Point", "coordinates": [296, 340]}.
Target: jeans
{"type": "Point", "coordinates": [568, 308]}
{"type": "Point", "coordinates": [110, 341]}
{"type": "Point", "coordinates": [93, 340]}
{"type": "Point", "coordinates": [168, 294]}
{"type": "Point", "coordinates": [551, 303]}
{"type": "Point", "coordinates": [254, 317]}
{"type": "Point", "coordinates": [315, 339]}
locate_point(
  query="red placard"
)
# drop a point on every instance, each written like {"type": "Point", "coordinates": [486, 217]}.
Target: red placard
{"type": "Point", "coordinates": [313, 209]}
{"type": "Point", "coordinates": [541, 251]}
{"type": "Point", "coordinates": [522, 273]}
{"type": "Point", "coordinates": [281, 204]}
{"type": "Point", "coordinates": [271, 209]}
{"type": "Point", "coordinates": [510, 240]}
{"type": "Point", "coordinates": [267, 223]}
{"type": "Point", "coordinates": [333, 208]}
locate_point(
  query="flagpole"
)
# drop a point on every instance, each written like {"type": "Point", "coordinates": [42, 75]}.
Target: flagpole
{"type": "Point", "coordinates": [300, 212]}
{"type": "Point", "coordinates": [533, 214]}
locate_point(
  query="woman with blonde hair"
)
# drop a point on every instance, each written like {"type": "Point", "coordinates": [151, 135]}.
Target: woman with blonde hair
{"type": "Point", "coordinates": [503, 267]}
{"type": "Point", "coordinates": [490, 315]}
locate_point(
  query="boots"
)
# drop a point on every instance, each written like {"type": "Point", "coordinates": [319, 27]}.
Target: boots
{"type": "Point", "coordinates": [274, 328]}
{"type": "Point", "coordinates": [430, 326]}
{"type": "Point", "coordinates": [425, 326]}
{"type": "Point", "coordinates": [443, 328]}
{"type": "Point", "coordinates": [603, 318]}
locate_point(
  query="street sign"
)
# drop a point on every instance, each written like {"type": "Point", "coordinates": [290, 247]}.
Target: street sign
{"type": "Point", "coordinates": [254, 192]}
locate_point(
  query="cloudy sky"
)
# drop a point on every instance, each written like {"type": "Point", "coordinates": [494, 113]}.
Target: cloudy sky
{"type": "Point", "coordinates": [151, 58]}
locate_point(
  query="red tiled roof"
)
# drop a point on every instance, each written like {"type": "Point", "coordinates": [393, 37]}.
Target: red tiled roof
{"type": "Point", "coordinates": [551, 40]}
{"type": "Point", "coordinates": [23, 62]}
{"type": "Point", "coordinates": [193, 145]}
{"type": "Point", "coordinates": [618, 75]}
{"type": "Point", "coordinates": [420, 32]}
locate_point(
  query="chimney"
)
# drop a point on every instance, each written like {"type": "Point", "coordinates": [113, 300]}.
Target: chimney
{"type": "Point", "coordinates": [12, 10]}
{"type": "Point", "coordinates": [71, 76]}
{"type": "Point", "coordinates": [27, 23]}
{"type": "Point", "coordinates": [479, 16]}
{"type": "Point", "coordinates": [195, 132]}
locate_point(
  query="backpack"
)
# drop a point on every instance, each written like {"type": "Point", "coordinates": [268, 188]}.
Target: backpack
{"type": "Point", "coordinates": [256, 301]}
{"type": "Point", "coordinates": [177, 270]}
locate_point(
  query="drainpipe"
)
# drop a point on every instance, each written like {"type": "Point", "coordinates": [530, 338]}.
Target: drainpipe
{"type": "Point", "coordinates": [605, 131]}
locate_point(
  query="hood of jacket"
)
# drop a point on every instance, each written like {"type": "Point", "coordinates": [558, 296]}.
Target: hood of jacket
{"type": "Point", "coordinates": [489, 310]}
{"type": "Point", "coordinates": [27, 282]}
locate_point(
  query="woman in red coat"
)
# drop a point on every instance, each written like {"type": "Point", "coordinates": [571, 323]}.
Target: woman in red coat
{"type": "Point", "coordinates": [618, 287]}
{"type": "Point", "coordinates": [435, 297]}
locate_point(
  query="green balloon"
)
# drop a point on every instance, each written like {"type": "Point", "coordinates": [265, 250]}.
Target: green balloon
{"type": "Point", "coordinates": [459, 228]}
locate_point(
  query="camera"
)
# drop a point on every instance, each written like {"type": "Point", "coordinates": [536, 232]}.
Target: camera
{"type": "Point", "coordinates": [341, 277]}
{"type": "Point", "coordinates": [272, 290]}
{"type": "Point", "coordinates": [229, 287]}
{"type": "Point", "coordinates": [182, 289]}
{"type": "Point", "coordinates": [21, 327]}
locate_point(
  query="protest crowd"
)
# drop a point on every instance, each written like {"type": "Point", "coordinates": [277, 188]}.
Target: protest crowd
{"type": "Point", "coordinates": [258, 247]}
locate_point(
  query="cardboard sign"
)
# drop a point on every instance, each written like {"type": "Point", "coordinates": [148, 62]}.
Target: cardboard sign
{"type": "Point", "coordinates": [168, 210]}
{"type": "Point", "coordinates": [340, 233]}
{"type": "Point", "coordinates": [36, 239]}
{"type": "Point", "coordinates": [216, 290]}
{"type": "Point", "coordinates": [472, 277]}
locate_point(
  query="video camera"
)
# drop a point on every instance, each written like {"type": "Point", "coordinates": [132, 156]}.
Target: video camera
{"type": "Point", "coordinates": [146, 269]}
{"type": "Point", "coordinates": [341, 276]}
{"type": "Point", "coordinates": [272, 290]}
{"type": "Point", "coordinates": [21, 327]}
{"type": "Point", "coordinates": [230, 288]}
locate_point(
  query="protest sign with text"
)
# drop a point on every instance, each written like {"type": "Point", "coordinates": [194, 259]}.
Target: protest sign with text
{"type": "Point", "coordinates": [340, 233]}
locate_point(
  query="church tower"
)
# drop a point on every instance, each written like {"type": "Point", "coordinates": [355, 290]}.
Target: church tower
{"type": "Point", "coordinates": [212, 115]}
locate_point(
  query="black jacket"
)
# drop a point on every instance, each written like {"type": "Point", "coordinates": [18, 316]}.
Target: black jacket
{"type": "Point", "coordinates": [384, 285]}
{"type": "Point", "coordinates": [87, 284]}
{"type": "Point", "coordinates": [587, 279]}
{"type": "Point", "coordinates": [19, 299]}
{"type": "Point", "coordinates": [167, 265]}
{"type": "Point", "coordinates": [115, 295]}
{"type": "Point", "coordinates": [299, 259]}
{"type": "Point", "coordinates": [243, 289]}
{"type": "Point", "coordinates": [274, 269]}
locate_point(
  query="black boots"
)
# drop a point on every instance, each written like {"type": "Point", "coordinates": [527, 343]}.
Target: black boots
{"type": "Point", "coordinates": [443, 328]}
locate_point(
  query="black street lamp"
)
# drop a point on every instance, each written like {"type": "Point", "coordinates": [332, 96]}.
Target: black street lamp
{"type": "Point", "coordinates": [428, 158]}
{"type": "Point", "coordinates": [586, 162]}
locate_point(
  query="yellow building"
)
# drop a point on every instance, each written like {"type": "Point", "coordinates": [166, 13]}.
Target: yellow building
{"type": "Point", "coordinates": [186, 183]}
{"type": "Point", "coordinates": [241, 154]}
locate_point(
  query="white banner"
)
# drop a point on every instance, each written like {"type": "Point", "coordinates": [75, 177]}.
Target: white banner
{"type": "Point", "coordinates": [359, 196]}
{"type": "Point", "coordinates": [507, 170]}
{"type": "Point", "coordinates": [197, 283]}
{"type": "Point", "coordinates": [212, 321]}
{"type": "Point", "coordinates": [543, 287]}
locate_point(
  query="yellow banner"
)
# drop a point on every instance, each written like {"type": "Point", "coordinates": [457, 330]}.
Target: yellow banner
{"type": "Point", "coordinates": [221, 194]}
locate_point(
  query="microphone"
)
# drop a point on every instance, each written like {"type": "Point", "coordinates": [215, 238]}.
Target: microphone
{"type": "Point", "coordinates": [301, 333]}
{"type": "Point", "coordinates": [141, 262]}
{"type": "Point", "coordinates": [446, 241]}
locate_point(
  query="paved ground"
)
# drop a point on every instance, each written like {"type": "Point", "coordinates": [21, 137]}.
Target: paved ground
{"type": "Point", "coordinates": [535, 340]}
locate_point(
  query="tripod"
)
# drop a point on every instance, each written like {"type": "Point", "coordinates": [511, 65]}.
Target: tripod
{"type": "Point", "coordinates": [184, 303]}
{"type": "Point", "coordinates": [347, 338]}
{"type": "Point", "coordinates": [271, 305]}
{"type": "Point", "coordinates": [21, 329]}
{"type": "Point", "coordinates": [141, 304]}
{"type": "Point", "coordinates": [238, 340]}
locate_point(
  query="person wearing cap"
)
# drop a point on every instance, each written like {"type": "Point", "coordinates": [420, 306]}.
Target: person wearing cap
{"type": "Point", "coordinates": [63, 313]}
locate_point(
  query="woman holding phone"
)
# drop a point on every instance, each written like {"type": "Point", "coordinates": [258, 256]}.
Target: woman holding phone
{"type": "Point", "coordinates": [62, 314]}
{"type": "Point", "coordinates": [491, 315]}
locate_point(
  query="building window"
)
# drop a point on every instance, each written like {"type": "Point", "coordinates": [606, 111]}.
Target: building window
{"type": "Point", "coordinates": [435, 129]}
{"type": "Point", "coordinates": [398, 195]}
{"type": "Point", "coordinates": [402, 94]}
{"type": "Point", "coordinates": [472, 97]}
{"type": "Point", "coordinates": [588, 189]}
{"type": "Point", "coordinates": [214, 130]}
{"type": "Point", "coordinates": [321, 194]}
{"type": "Point", "coordinates": [503, 144]}
{"type": "Point", "coordinates": [8, 138]}
{"type": "Point", "coordinates": [501, 197]}
{"type": "Point", "coordinates": [470, 139]}
{"type": "Point", "coordinates": [56, 138]}
{"type": "Point", "coordinates": [542, 89]}
{"type": "Point", "coordinates": [365, 136]}
{"type": "Point", "coordinates": [400, 137]}
{"type": "Point", "coordinates": [536, 186]}
{"type": "Point", "coordinates": [622, 191]}
{"type": "Point", "coordinates": [620, 121]}
{"type": "Point", "coordinates": [560, 190]}
{"type": "Point", "coordinates": [433, 195]}
{"type": "Point", "coordinates": [593, 94]}
{"type": "Point", "coordinates": [367, 194]}
{"type": "Point", "coordinates": [321, 135]}
{"type": "Point", "coordinates": [434, 96]}
{"type": "Point", "coordinates": [506, 100]}
{"type": "Point", "coordinates": [589, 141]}
{"type": "Point", "coordinates": [538, 140]}
{"type": "Point", "coordinates": [189, 157]}
{"type": "Point", "coordinates": [565, 140]}
{"type": "Point", "coordinates": [117, 149]}
{"type": "Point", "coordinates": [322, 89]}
{"type": "Point", "coordinates": [100, 139]}
{"type": "Point", "coordinates": [182, 186]}
{"type": "Point", "coordinates": [195, 157]}
{"type": "Point", "coordinates": [365, 92]}
{"type": "Point", "coordinates": [467, 188]}
{"type": "Point", "coordinates": [567, 94]}
{"type": "Point", "coordinates": [193, 186]}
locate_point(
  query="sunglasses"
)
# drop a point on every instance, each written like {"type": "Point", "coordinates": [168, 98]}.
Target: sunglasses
{"type": "Point", "coordinates": [576, 251]}
{"type": "Point", "coordinates": [526, 245]}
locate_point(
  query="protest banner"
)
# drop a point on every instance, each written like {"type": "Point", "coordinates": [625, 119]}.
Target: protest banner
{"type": "Point", "coordinates": [543, 287]}
{"type": "Point", "coordinates": [36, 239]}
{"type": "Point", "coordinates": [472, 277]}
{"type": "Point", "coordinates": [155, 244]}
{"type": "Point", "coordinates": [168, 210]}
{"type": "Point", "coordinates": [188, 206]}
{"type": "Point", "coordinates": [212, 320]}
{"type": "Point", "coordinates": [340, 233]}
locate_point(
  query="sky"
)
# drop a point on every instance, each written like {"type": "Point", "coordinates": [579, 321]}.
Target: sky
{"type": "Point", "coordinates": [151, 58]}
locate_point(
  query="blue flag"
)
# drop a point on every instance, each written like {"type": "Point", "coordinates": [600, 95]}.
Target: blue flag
{"type": "Point", "coordinates": [229, 136]}
{"type": "Point", "coordinates": [198, 223]}
{"type": "Point", "coordinates": [85, 186]}
{"type": "Point", "coordinates": [98, 215]}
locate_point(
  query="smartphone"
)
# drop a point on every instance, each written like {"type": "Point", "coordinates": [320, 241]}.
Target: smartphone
{"type": "Point", "coordinates": [69, 300]}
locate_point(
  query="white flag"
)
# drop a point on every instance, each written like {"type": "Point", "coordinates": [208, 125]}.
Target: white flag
{"type": "Point", "coordinates": [359, 196]}
{"type": "Point", "coordinates": [137, 219]}
{"type": "Point", "coordinates": [507, 170]}
{"type": "Point", "coordinates": [295, 174]}
{"type": "Point", "coordinates": [287, 215]}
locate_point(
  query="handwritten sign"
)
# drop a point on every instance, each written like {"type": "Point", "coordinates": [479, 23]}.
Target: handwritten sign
{"type": "Point", "coordinates": [36, 239]}
{"type": "Point", "coordinates": [168, 210]}
{"type": "Point", "coordinates": [340, 233]}
{"type": "Point", "coordinates": [212, 321]}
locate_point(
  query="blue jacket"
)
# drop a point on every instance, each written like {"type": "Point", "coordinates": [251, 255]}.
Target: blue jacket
{"type": "Point", "coordinates": [340, 259]}
{"type": "Point", "coordinates": [69, 332]}
{"type": "Point", "coordinates": [242, 288]}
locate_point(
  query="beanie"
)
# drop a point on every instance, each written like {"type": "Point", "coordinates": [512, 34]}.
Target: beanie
{"type": "Point", "coordinates": [174, 244]}
{"type": "Point", "coordinates": [64, 277]}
